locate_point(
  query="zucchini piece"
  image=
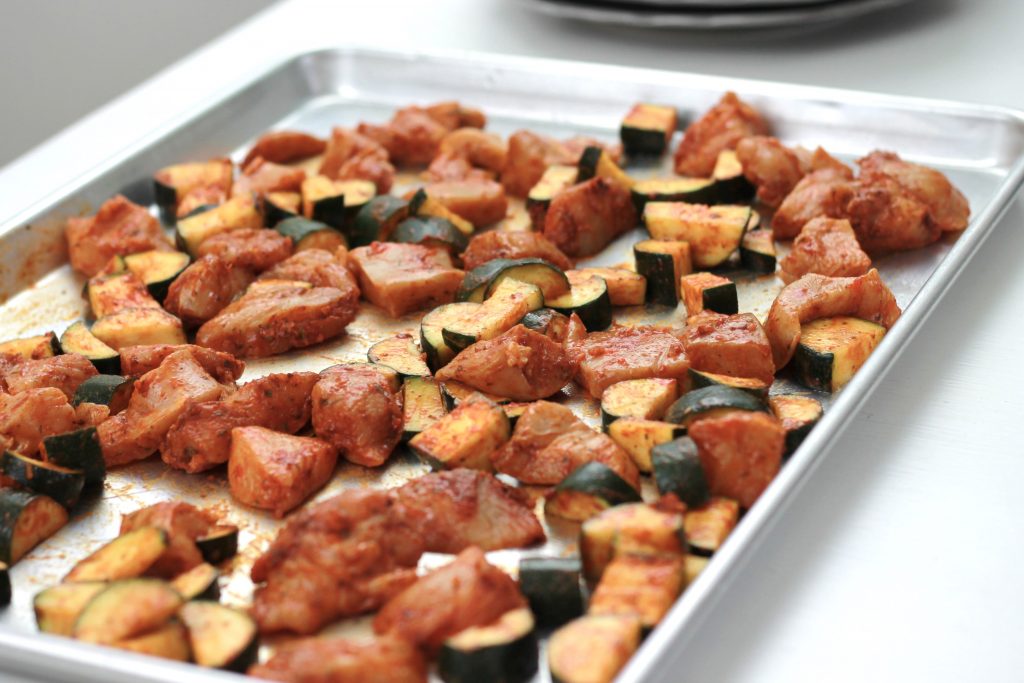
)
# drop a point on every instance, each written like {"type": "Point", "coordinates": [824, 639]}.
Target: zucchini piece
{"type": "Point", "coordinates": [638, 437]}
{"type": "Point", "coordinates": [421, 405]}
{"type": "Point", "coordinates": [691, 190]}
{"type": "Point", "coordinates": [552, 587]}
{"type": "Point", "coordinates": [454, 392]}
{"type": "Point", "coordinates": [32, 348]}
{"type": "Point", "coordinates": [465, 437]}
{"type": "Point", "coordinates": [62, 484]}
{"type": "Point", "coordinates": [172, 183]}
{"type": "Point", "coordinates": [128, 556]}
{"type": "Point", "coordinates": [514, 411]}
{"type": "Point", "coordinates": [712, 401]}
{"type": "Point", "coordinates": [335, 202]}
{"type": "Point", "coordinates": [709, 292]}
{"type": "Point", "coordinates": [757, 250]}
{"type": "Point", "coordinates": [438, 353]}
{"type": "Point", "coordinates": [678, 470]}
{"type": "Point", "coordinates": [504, 651]}
{"type": "Point", "coordinates": [219, 544]}
{"type": "Point", "coordinates": [798, 415]}
{"type": "Point", "coordinates": [831, 350]}
{"type": "Point", "coordinates": [109, 294]}
{"type": "Point", "coordinates": [647, 129]}
{"type": "Point", "coordinates": [5, 585]}
{"type": "Point", "coordinates": [170, 641]}
{"type": "Point", "coordinates": [78, 450]}
{"type": "Point", "coordinates": [645, 586]}
{"type": "Point", "coordinates": [663, 263]}
{"type": "Point", "coordinates": [635, 528]}
{"type": "Point", "coordinates": [198, 583]}
{"type": "Point", "coordinates": [480, 283]}
{"type": "Point", "coordinates": [431, 231]}
{"type": "Point", "coordinates": [507, 304]}
{"type": "Point", "coordinates": [593, 649]}
{"type": "Point", "coordinates": [695, 564]}
{"type": "Point", "coordinates": [625, 287]}
{"type": "Point", "coordinates": [376, 220]}
{"type": "Point", "coordinates": [731, 186]}
{"type": "Point", "coordinates": [234, 214]}
{"type": "Point", "coordinates": [280, 206]}
{"type": "Point", "coordinates": [26, 520]}
{"type": "Point", "coordinates": [555, 179]}
{"type": "Point", "coordinates": [548, 322]}
{"type": "Point", "coordinates": [309, 234]}
{"type": "Point", "coordinates": [713, 232]}
{"type": "Point", "coordinates": [646, 398]}
{"type": "Point", "coordinates": [589, 490]}
{"type": "Point", "coordinates": [57, 608]}
{"type": "Point", "coordinates": [589, 299]}
{"type": "Point", "coordinates": [112, 391]}
{"type": "Point", "coordinates": [220, 637]}
{"type": "Point", "coordinates": [596, 162]}
{"type": "Point", "coordinates": [78, 339]}
{"type": "Point", "coordinates": [708, 525]}
{"type": "Point", "coordinates": [125, 609]}
{"type": "Point", "coordinates": [422, 205]}
{"type": "Point", "coordinates": [139, 327]}
{"type": "Point", "coordinates": [157, 269]}
{"type": "Point", "coordinates": [751, 385]}
{"type": "Point", "coordinates": [401, 354]}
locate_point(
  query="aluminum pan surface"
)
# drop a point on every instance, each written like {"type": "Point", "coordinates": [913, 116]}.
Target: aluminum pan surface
{"type": "Point", "coordinates": [978, 146]}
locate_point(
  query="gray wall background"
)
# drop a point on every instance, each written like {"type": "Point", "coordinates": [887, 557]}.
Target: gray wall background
{"type": "Point", "coordinates": [61, 59]}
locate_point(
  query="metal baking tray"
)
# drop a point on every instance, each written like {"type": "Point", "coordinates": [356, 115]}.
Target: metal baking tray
{"type": "Point", "coordinates": [979, 147]}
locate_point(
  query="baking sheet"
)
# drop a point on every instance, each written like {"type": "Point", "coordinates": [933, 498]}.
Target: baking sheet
{"type": "Point", "coordinates": [978, 147]}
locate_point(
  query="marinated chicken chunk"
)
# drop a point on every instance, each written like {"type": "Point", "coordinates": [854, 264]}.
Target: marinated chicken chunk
{"type": "Point", "coordinates": [733, 345]}
{"type": "Point", "coordinates": [206, 288]}
{"type": "Point", "coordinates": [401, 278]}
{"type": "Point", "coordinates": [200, 439]}
{"type": "Point", "coordinates": [488, 246]}
{"type": "Point", "coordinates": [773, 168]}
{"type": "Point", "coordinates": [353, 156]}
{"type": "Point", "coordinates": [479, 201]}
{"type": "Point", "coordinates": [604, 358]}
{"type": "Point", "coordinates": [549, 442]}
{"type": "Point", "coordinates": [261, 177]}
{"type": "Point", "coordinates": [741, 453]}
{"type": "Point", "coordinates": [275, 319]}
{"type": "Point", "coordinates": [138, 360]}
{"type": "Point", "coordinates": [65, 372]}
{"type": "Point", "coordinates": [825, 246]}
{"type": "Point", "coordinates": [453, 510]}
{"type": "Point", "coordinates": [482, 150]}
{"type": "Point", "coordinates": [285, 147]}
{"type": "Point", "coordinates": [118, 228]}
{"type": "Point", "coordinates": [721, 128]}
{"type": "Point", "coordinates": [948, 209]}
{"type": "Point", "coordinates": [382, 659]}
{"type": "Point", "coordinates": [412, 137]}
{"type": "Point", "coordinates": [358, 409]}
{"type": "Point", "coordinates": [584, 218]}
{"type": "Point", "coordinates": [528, 155]}
{"type": "Point", "coordinates": [184, 523]}
{"type": "Point", "coordinates": [254, 249]}
{"type": "Point", "coordinates": [887, 217]}
{"type": "Point", "coordinates": [28, 417]}
{"type": "Point", "coordinates": [341, 557]}
{"type": "Point", "coordinates": [519, 364]}
{"type": "Point", "coordinates": [821, 193]}
{"type": "Point", "coordinates": [91, 414]}
{"type": "Point", "coordinates": [447, 167]}
{"type": "Point", "coordinates": [158, 398]}
{"type": "Point", "coordinates": [318, 267]}
{"type": "Point", "coordinates": [467, 592]}
{"type": "Point", "coordinates": [453, 114]}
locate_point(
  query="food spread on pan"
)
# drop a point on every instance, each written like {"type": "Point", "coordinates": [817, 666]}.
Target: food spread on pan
{"type": "Point", "coordinates": [283, 252]}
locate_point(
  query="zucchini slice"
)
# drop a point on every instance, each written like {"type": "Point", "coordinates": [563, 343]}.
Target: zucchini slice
{"type": "Point", "coordinates": [280, 206]}
{"type": "Point", "coordinates": [638, 437]}
{"type": "Point", "coordinates": [695, 564]}
{"type": "Point", "coordinates": [422, 205]}
{"type": "Point", "coordinates": [596, 162]}
{"type": "Point", "coordinates": [377, 219]}
{"type": "Point", "coordinates": [589, 490]}
{"type": "Point", "coordinates": [625, 287]}
{"type": "Point", "coordinates": [504, 651]}
{"type": "Point", "coordinates": [219, 544]}
{"type": "Point", "coordinates": [125, 609]}
{"type": "Point", "coordinates": [112, 391]}
{"type": "Point", "coordinates": [678, 470]}
{"type": "Point", "coordinates": [481, 282]}
{"type": "Point", "coordinates": [335, 202]}
{"type": "Point", "coordinates": [507, 304]}
{"type": "Point", "coordinates": [32, 348]}
{"type": "Point", "coordinates": [431, 231]}
{"type": "Point", "coordinates": [432, 325]}
{"type": "Point", "coordinates": [708, 525]}
{"type": "Point", "coordinates": [646, 398]}
{"type": "Point", "coordinates": [647, 129]}
{"type": "Point", "coordinates": [548, 322]}
{"type": "Point", "coordinates": [236, 213]}
{"type": "Point", "coordinates": [662, 263]}
{"type": "Point", "coordinates": [139, 327]}
{"type": "Point", "coordinates": [731, 186]}
{"type": "Point", "coordinates": [57, 608]}
{"type": "Point", "coordinates": [751, 385]}
{"type": "Point", "coordinates": [454, 392]}
{"type": "Point", "coordinates": [552, 587]}
{"type": "Point", "coordinates": [798, 415]}
{"type": "Point", "coordinates": [126, 557]}
{"type": "Point", "coordinates": [172, 183]}
{"type": "Point", "coordinates": [712, 401]}
{"type": "Point", "coordinates": [310, 234]}
{"type": "Point", "coordinates": [421, 405]}
{"type": "Point", "coordinates": [691, 190]}
{"type": "Point", "coordinates": [26, 520]}
{"type": "Point", "coordinates": [109, 294]}
{"type": "Point", "coordinates": [589, 299]}
{"type": "Point", "coordinates": [831, 350]}
{"type": "Point", "coordinates": [401, 354]}
{"type": "Point", "coordinates": [198, 583]}
{"type": "Point", "coordinates": [157, 269]}
{"type": "Point", "coordinates": [5, 585]}
{"type": "Point", "coordinates": [555, 179]}
{"type": "Point", "coordinates": [78, 339]}
{"type": "Point", "coordinates": [635, 528]}
{"type": "Point", "coordinates": [645, 586]}
{"type": "Point", "coordinates": [220, 637]}
{"type": "Point", "coordinates": [170, 641]}
{"type": "Point", "coordinates": [593, 649]}
{"type": "Point", "coordinates": [62, 484]}
{"type": "Point", "coordinates": [757, 250]}
{"type": "Point", "coordinates": [713, 232]}
{"type": "Point", "coordinates": [465, 437]}
{"type": "Point", "coordinates": [709, 292]}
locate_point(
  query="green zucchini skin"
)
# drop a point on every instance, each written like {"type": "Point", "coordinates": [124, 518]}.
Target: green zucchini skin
{"type": "Point", "coordinates": [78, 339]}
{"type": "Point", "coordinates": [422, 405]}
{"type": "Point", "coordinates": [653, 138]}
{"type": "Point", "coordinates": [274, 214]}
{"type": "Point", "coordinates": [593, 305]}
{"type": "Point", "coordinates": [431, 231]}
{"type": "Point", "coordinates": [331, 210]}
{"type": "Point", "coordinates": [400, 354]}
{"type": "Point", "coordinates": [78, 450]}
{"type": "Point", "coordinates": [552, 586]}
{"type": "Point", "coordinates": [757, 251]}
{"type": "Point", "coordinates": [232, 631]}
{"type": "Point", "coordinates": [699, 379]}
{"type": "Point", "coordinates": [376, 220]}
{"type": "Point", "coordinates": [41, 346]}
{"type": "Point", "coordinates": [5, 585]}
{"type": "Point", "coordinates": [480, 282]}
{"type": "Point", "coordinates": [219, 545]}
{"type": "Point", "coordinates": [512, 661]}
{"type": "Point", "coordinates": [678, 470]}
{"type": "Point", "coordinates": [660, 271]}
{"type": "Point", "coordinates": [715, 397]}
{"type": "Point", "coordinates": [587, 165]}
{"type": "Point", "coordinates": [721, 299]}
{"type": "Point", "coordinates": [299, 228]}
{"type": "Point", "coordinates": [16, 502]}
{"type": "Point", "coordinates": [198, 583]}
{"type": "Point", "coordinates": [432, 341]}
{"type": "Point", "coordinates": [62, 484]}
{"type": "Point", "coordinates": [655, 191]}
{"type": "Point", "coordinates": [166, 199]}
{"type": "Point", "coordinates": [588, 490]}
{"type": "Point", "coordinates": [798, 414]}
{"type": "Point", "coordinates": [108, 390]}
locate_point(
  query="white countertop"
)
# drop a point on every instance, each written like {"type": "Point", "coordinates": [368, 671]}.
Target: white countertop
{"type": "Point", "coordinates": [872, 575]}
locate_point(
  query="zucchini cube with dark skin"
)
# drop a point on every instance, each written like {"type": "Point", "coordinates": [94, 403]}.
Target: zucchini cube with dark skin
{"type": "Point", "coordinates": [648, 128]}
{"type": "Point", "coordinates": [713, 232]}
{"type": "Point", "coordinates": [831, 350]}
{"type": "Point", "coordinates": [593, 648]}
{"type": "Point", "coordinates": [643, 585]}
{"type": "Point", "coordinates": [639, 437]}
{"type": "Point", "coordinates": [690, 190]}
{"type": "Point", "coordinates": [798, 415]}
{"type": "Point", "coordinates": [465, 437]}
{"type": "Point", "coordinates": [663, 263]}
{"type": "Point", "coordinates": [555, 179]}
{"type": "Point", "coordinates": [56, 609]}
{"type": "Point", "coordinates": [590, 489]}
{"type": "Point", "coordinates": [552, 587]}
{"type": "Point", "coordinates": [32, 348]}
{"type": "Point", "coordinates": [637, 528]}
{"type": "Point", "coordinates": [708, 292]}
{"type": "Point", "coordinates": [708, 526]}
{"type": "Point", "coordinates": [26, 520]}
